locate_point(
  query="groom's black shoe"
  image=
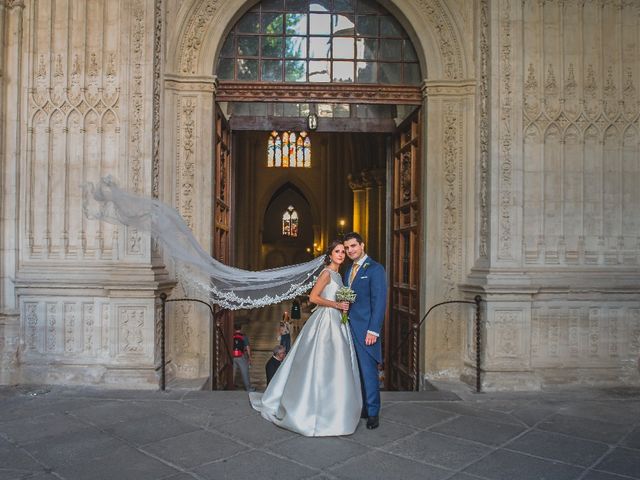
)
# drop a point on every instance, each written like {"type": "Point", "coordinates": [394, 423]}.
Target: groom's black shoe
{"type": "Point", "coordinates": [373, 422]}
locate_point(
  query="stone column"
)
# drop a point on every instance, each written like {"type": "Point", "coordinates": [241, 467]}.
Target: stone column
{"type": "Point", "coordinates": [359, 205]}
{"type": "Point", "coordinates": [189, 148]}
{"type": "Point", "coordinates": [447, 174]}
{"type": "Point", "coordinates": [11, 17]}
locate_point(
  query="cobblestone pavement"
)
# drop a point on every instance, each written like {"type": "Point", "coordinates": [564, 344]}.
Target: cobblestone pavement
{"type": "Point", "coordinates": [90, 433]}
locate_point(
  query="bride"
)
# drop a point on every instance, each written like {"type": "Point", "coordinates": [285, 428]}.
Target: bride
{"type": "Point", "coordinates": [316, 391]}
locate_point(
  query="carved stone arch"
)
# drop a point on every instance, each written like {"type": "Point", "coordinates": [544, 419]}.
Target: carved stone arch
{"type": "Point", "coordinates": [297, 185]}
{"type": "Point", "coordinates": [611, 135]}
{"type": "Point", "coordinates": [109, 120]}
{"type": "Point", "coordinates": [630, 136]}
{"type": "Point", "coordinates": [592, 133]}
{"type": "Point", "coordinates": [288, 194]}
{"type": "Point", "coordinates": [431, 26]}
{"type": "Point", "coordinates": [74, 120]}
{"type": "Point", "coordinates": [572, 134]}
{"type": "Point", "coordinates": [91, 119]}
{"type": "Point", "coordinates": [552, 132]}
{"type": "Point", "coordinates": [532, 134]}
{"type": "Point", "coordinates": [39, 119]}
{"type": "Point", "coordinates": [57, 120]}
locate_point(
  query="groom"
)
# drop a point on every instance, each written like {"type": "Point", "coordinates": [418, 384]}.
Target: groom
{"type": "Point", "coordinates": [368, 280]}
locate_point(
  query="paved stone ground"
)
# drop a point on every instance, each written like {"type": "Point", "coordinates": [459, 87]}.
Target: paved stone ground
{"type": "Point", "coordinates": [89, 433]}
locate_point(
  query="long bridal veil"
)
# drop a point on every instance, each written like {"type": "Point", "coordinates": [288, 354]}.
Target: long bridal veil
{"type": "Point", "coordinates": [229, 287]}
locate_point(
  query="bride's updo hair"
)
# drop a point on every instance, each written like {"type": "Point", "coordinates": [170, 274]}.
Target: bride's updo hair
{"type": "Point", "coordinates": [327, 253]}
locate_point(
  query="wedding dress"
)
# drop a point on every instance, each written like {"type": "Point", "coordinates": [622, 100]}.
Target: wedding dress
{"type": "Point", "coordinates": [316, 390]}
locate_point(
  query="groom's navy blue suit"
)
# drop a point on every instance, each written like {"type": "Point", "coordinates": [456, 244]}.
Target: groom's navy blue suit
{"type": "Point", "coordinates": [367, 314]}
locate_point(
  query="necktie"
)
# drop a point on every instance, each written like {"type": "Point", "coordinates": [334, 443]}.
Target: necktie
{"type": "Point", "coordinates": [354, 270]}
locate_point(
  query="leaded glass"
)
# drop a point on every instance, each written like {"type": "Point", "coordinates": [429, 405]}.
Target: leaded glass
{"type": "Point", "coordinates": [271, 150]}
{"type": "Point", "coordinates": [310, 41]}
{"type": "Point", "coordinates": [250, 23]}
{"type": "Point", "coordinates": [343, 48]}
{"type": "Point", "coordinates": [285, 149]}
{"type": "Point", "coordinates": [272, 71]}
{"type": "Point", "coordinates": [295, 47]}
{"type": "Point", "coordinates": [272, 23]}
{"type": "Point", "coordinates": [366, 72]}
{"type": "Point", "coordinates": [247, 69]}
{"type": "Point", "coordinates": [296, 24]}
{"type": "Point", "coordinates": [307, 152]}
{"type": "Point", "coordinates": [389, 73]}
{"type": "Point", "coordinates": [411, 73]}
{"type": "Point", "coordinates": [343, 25]}
{"type": "Point", "coordinates": [248, 46]}
{"type": "Point", "coordinates": [300, 151]}
{"type": "Point", "coordinates": [272, 47]}
{"type": "Point", "coordinates": [343, 5]}
{"type": "Point", "coordinates": [295, 71]}
{"type": "Point", "coordinates": [391, 50]}
{"type": "Point", "coordinates": [225, 69]}
{"type": "Point", "coordinates": [294, 223]}
{"type": "Point", "coordinates": [367, 48]}
{"type": "Point", "coordinates": [289, 150]}
{"type": "Point", "coordinates": [342, 72]}
{"type": "Point", "coordinates": [319, 71]}
{"type": "Point", "coordinates": [319, 47]}
{"type": "Point", "coordinates": [320, 5]}
{"type": "Point", "coordinates": [286, 224]}
{"type": "Point", "coordinates": [367, 25]}
{"type": "Point", "coordinates": [320, 24]}
{"type": "Point", "coordinates": [293, 156]}
{"type": "Point", "coordinates": [389, 27]}
{"type": "Point", "coordinates": [278, 161]}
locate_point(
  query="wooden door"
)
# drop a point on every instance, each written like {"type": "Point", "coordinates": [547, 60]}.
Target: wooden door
{"type": "Point", "coordinates": [402, 347]}
{"type": "Point", "coordinates": [222, 363]}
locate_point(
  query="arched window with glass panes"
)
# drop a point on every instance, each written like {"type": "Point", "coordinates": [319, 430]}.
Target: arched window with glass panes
{"type": "Point", "coordinates": [288, 150]}
{"type": "Point", "coordinates": [290, 222]}
{"type": "Point", "coordinates": [331, 41]}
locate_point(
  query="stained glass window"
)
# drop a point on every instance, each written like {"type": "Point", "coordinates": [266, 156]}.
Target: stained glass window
{"type": "Point", "coordinates": [290, 222]}
{"type": "Point", "coordinates": [339, 41]}
{"type": "Point", "coordinates": [288, 150]}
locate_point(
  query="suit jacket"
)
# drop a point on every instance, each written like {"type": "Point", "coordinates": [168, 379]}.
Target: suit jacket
{"type": "Point", "coordinates": [368, 311]}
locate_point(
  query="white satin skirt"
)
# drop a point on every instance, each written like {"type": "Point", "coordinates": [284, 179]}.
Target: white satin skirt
{"type": "Point", "coordinates": [316, 390]}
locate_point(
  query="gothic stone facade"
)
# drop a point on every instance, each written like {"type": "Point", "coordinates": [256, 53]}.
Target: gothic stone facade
{"type": "Point", "coordinates": [531, 174]}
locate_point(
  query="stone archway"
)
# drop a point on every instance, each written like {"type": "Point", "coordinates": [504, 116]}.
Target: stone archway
{"type": "Point", "coordinates": [449, 102]}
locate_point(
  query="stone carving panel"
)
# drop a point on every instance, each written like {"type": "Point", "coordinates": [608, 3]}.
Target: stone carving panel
{"type": "Point", "coordinates": [579, 335]}
{"type": "Point", "coordinates": [483, 92]}
{"type": "Point", "coordinates": [580, 122]}
{"type": "Point", "coordinates": [77, 80]}
{"type": "Point", "coordinates": [506, 134]}
{"type": "Point", "coordinates": [81, 329]}
{"type": "Point", "coordinates": [506, 339]}
{"type": "Point", "coordinates": [452, 254]}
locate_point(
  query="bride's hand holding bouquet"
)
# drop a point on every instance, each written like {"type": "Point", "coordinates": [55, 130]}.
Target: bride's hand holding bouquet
{"type": "Point", "coordinates": [347, 296]}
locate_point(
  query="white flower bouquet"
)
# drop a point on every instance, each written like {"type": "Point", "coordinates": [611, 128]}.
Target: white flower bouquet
{"type": "Point", "coordinates": [345, 294]}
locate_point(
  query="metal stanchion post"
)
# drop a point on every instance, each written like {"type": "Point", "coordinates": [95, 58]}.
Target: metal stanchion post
{"type": "Point", "coordinates": [478, 299]}
{"type": "Point", "coordinates": [163, 299]}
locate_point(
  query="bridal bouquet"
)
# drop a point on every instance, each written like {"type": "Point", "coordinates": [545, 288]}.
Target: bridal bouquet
{"type": "Point", "coordinates": [345, 294]}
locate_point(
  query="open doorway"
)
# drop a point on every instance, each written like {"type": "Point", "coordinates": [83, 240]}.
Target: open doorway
{"type": "Point", "coordinates": [288, 214]}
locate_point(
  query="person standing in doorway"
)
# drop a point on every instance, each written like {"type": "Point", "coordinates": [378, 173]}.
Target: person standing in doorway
{"type": "Point", "coordinates": [241, 357]}
{"type": "Point", "coordinates": [284, 329]}
{"type": "Point", "coordinates": [367, 279]}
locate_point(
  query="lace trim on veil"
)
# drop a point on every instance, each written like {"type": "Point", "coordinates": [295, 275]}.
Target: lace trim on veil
{"type": "Point", "coordinates": [229, 287]}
